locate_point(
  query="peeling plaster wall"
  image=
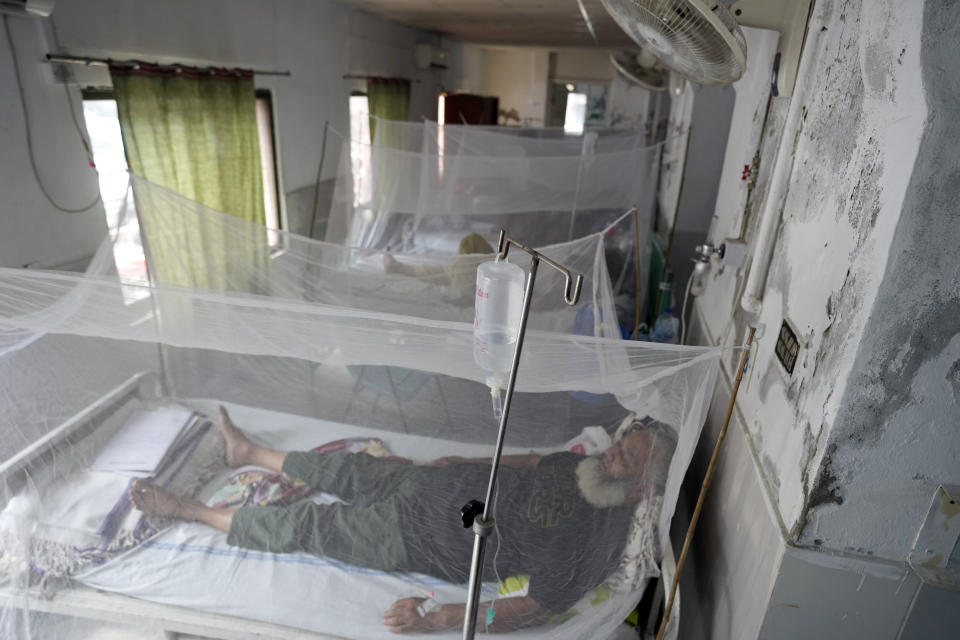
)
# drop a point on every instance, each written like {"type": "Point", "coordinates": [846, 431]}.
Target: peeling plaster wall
{"type": "Point", "coordinates": [896, 435]}
{"type": "Point", "coordinates": [845, 444]}
{"type": "Point", "coordinates": [853, 158]}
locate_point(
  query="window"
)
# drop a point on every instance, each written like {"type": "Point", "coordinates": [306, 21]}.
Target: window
{"type": "Point", "coordinates": [568, 99]}
{"type": "Point", "coordinates": [361, 160]}
{"type": "Point", "coordinates": [103, 127]}
{"type": "Point", "coordinates": [268, 160]}
{"type": "Point", "coordinates": [441, 121]}
{"type": "Point", "coordinates": [576, 113]}
{"type": "Point", "coordinates": [100, 114]}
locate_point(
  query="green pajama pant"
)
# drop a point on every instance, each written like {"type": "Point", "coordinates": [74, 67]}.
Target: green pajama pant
{"type": "Point", "coordinates": [366, 532]}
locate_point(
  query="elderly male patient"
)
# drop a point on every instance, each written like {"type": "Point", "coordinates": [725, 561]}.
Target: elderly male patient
{"type": "Point", "coordinates": [562, 519]}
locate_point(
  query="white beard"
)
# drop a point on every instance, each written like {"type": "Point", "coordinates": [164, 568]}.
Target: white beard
{"type": "Point", "coordinates": [596, 488]}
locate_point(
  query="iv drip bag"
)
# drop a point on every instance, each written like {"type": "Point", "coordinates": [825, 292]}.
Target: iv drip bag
{"type": "Point", "coordinates": [496, 319]}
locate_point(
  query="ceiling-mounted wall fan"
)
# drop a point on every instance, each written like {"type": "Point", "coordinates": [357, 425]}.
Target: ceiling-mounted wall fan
{"type": "Point", "coordinates": [641, 68]}
{"type": "Point", "coordinates": [703, 41]}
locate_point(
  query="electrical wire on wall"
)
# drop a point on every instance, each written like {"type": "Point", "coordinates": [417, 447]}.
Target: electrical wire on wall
{"type": "Point", "coordinates": [26, 125]}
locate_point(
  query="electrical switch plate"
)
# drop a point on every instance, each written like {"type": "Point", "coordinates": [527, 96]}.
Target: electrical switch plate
{"type": "Point", "coordinates": [787, 347]}
{"type": "Point", "coordinates": [934, 554]}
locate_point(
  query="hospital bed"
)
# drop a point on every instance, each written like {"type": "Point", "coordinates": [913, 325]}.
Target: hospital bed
{"type": "Point", "coordinates": [187, 580]}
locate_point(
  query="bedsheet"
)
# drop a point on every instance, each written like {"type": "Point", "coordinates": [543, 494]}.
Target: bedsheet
{"type": "Point", "coordinates": [191, 565]}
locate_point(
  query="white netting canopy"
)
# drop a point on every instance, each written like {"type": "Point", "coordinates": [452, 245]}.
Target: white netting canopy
{"type": "Point", "coordinates": [420, 180]}
{"type": "Point", "coordinates": [496, 141]}
{"type": "Point", "coordinates": [195, 246]}
{"type": "Point", "coordinates": [127, 494]}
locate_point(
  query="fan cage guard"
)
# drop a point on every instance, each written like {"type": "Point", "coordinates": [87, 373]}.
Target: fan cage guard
{"type": "Point", "coordinates": [702, 42]}
{"type": "Point", "coordinates": [625, 63]}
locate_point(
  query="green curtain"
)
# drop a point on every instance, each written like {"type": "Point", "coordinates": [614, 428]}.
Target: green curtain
{"type": "Point", "coordinates": [387, 98]}
{"type": "Point", "coordinates": [195, 132]}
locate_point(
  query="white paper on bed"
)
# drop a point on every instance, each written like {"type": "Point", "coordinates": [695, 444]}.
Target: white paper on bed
{"type": "Point", "coordinates": [140, 446]}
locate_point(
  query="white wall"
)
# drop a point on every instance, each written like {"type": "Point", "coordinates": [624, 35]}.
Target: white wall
{"type": "Point", "coordinates": [32, 231]}
{"type": "Point", "coordinates": [519, 78]}
{"type": "Point", "coordinates": [582, 65]}
{"type": "Point", "coordinates": [690, 169]}
{"type": "Point", "coordinates": [628, 103]}
{"type": "Point", "coordinates": [738, 546]}
{"type": "Point", "coordinates": [466, 67]}
{"type": "Point", "coordinates": [318, 41]}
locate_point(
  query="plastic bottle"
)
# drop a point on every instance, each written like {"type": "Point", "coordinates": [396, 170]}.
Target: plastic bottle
{"type": "Point", "coordinates": [496, 319]}
{"type": "Point", "coordinates": [667, 327]}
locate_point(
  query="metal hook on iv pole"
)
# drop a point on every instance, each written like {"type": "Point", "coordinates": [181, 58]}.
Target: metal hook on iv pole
{"type": "Point", "coordinates": [478, 515]}
{"type": "Point", "coordinates": [571, 289]}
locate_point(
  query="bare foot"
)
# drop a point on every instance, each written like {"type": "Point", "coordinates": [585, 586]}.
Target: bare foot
{"type": "Point", "coordinates": [155, 501]}
{"type": "Point", "coordinates": [238, 447]}
{"type": "Point", "coordinates": [390, 264]}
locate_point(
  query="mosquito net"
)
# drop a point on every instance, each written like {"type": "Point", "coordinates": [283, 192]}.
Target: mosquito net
{"type": "Point", "coordinates": [324, 498]}
{"type": "Point", "coordinates": [99, 388]}
{"type": "Point", "coordinates": [418, 184]}
{"type": "Point", "coordinates": [428, 136]}
{"type": "Point", "coordinates": [195, 246]}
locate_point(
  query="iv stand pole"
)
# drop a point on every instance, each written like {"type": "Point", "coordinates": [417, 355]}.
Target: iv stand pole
{"type": "Point", "coordinates": [483, 523]}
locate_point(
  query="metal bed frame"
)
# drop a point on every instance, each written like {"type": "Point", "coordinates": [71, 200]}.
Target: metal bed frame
{"type": "Point", "coordinates": [86, 602]}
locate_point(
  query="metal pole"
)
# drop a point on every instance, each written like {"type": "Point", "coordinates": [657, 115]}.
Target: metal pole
{"type": "Point", "coordinates": [484, 525]}
{"type": "Point", "coordinates": [636, 252]}
{"type": "Point", "coordinates": [106, 62]}
{"type": "Point", "coordinates": [358, 76]}
{"type": "Point", "coordinates": [316, 186]}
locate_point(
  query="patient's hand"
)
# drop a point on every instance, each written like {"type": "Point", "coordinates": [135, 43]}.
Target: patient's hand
{"type": "Point", "coordinates": [448, 460]}
{"type": "Point", "coordinates": [403, 617]}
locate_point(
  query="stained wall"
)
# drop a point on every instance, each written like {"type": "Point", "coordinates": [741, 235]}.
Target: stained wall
{"type": "Point", "coordinates": [846, 451]}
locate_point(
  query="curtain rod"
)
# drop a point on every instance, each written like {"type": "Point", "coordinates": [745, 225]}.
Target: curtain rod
{"type": "Point", "coordinates": [108, 61]}
{"type": "Point", "coordinates": [355, 76]}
